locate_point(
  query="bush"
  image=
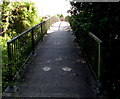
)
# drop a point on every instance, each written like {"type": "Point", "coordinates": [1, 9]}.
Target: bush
{"type": "Point", "coordinates": [17, 17]}
{"type": "Point", "coordinates": [103, 20]}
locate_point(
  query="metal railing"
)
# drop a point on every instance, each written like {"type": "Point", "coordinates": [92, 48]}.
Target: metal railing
{"type": "Point", "coordinates": [92, 51]}
{"type": "Point", "coordinates": [91, 47]}
{"type": "Point", "coordinates": [23, 46]}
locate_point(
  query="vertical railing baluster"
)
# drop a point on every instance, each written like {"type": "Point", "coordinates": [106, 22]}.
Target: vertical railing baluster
{"type": "Point", "coordinates": [41, 31]}
{"type": "Point", "coordinates": [19, 49]}
{"type": "Point", "coordinates": [99, 62]}
{"type": "Point", "coordinates": [33, 50]}
{"type": "Point", "coordinates": [10, 78]}
{"type": "Point", "coordinates": [9, 52]}
{"type": "Point", "coordinates": [45, 26]}
{"type": "Point", "coordinates": [14, 52]}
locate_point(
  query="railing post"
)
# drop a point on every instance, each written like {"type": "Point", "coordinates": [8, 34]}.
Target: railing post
{"type": "Point", "coordinates": [41, 29]}
{"type": "Point", "coordinates": [99, 86]}
{"type": "Point", "coordinates": [33, 50]}
{"type": "Point", "coordinates": [9, 60]}
{"type": "Point", "coordinates": [8, 49]}
{"type": "Point", "coordinates": [45, 26]}
{"type": "Point", "coordinates": [9, 88]}
{"type": "Point", "coordinates": [99, 61]}
{"type": "Point", "coordinates": [15, 52]}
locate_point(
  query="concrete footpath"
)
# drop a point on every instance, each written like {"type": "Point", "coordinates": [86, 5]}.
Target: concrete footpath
{"type": "Point", "coordinates": [57, 70]}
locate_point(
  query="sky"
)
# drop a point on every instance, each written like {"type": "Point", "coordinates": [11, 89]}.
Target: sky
{"type": "Point", "coordinates": [49, 7]}
{"type": "Point", "coordinates": [52, 7]}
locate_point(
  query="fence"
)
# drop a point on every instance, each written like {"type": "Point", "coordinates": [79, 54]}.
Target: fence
{"type": "Point", "coordinates": [22, 47]}
{"type": "Point", "coordinates": [92, 51]}
{"type": "Point", "coordinates": [90, 46]}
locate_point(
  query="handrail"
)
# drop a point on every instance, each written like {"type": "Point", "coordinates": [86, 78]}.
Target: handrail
{"type": "Point", "coordinates": [99, 53]}
{"type": "Point", "coordinates": [23, 46]}
{"type": "Point", "coordinates": [25, 32]}
{"type": "Point", "coordinates": [28, 30]}
{"type": "Point", "coordinates": [99, 42]}
{"type": "Point", "coordinates": [91, 48]}
{"type": "Point", "coordinates": [95, 37]}
{"type": "Point", "coordinates": [88, 48]}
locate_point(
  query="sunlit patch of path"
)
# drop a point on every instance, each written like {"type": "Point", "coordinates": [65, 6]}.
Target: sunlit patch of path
{"type": "Point", "coordinates": [57, 70]}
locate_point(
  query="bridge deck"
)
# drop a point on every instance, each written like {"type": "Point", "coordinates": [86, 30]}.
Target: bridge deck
{"type": "Point", "coordinates": [57, 70]}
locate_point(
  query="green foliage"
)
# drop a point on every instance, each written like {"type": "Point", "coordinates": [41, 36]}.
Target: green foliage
{"type": "Point", "coordinates": [4, 58]}
{"type": "Point", "coordinates": [103, 20]}
{"type": "Point", "coordinates": [17, 17]}
{"type": "Point", "coordinates": [60, 15]}
{"type": "Point", "coordinates": [67, 18]}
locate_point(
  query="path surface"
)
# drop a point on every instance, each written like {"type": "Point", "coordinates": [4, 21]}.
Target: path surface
{"type": "Point", "coordinates": [57, 70]}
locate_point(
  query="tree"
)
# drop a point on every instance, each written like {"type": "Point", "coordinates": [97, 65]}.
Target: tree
{"type": "Point", "coordinates": [18, 17]}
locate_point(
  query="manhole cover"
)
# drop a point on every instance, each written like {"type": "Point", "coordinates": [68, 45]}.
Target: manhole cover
{"type": "Point", "coordinates": [66, 69]}
{"type": "Point", "coordinates": [46, 68]}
